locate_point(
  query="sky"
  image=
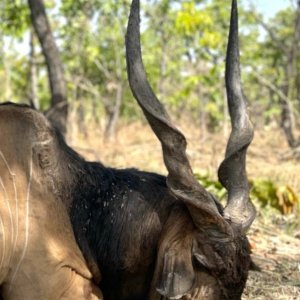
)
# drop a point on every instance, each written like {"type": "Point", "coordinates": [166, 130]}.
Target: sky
{"type": "Point", "coordinates": [269, 7]}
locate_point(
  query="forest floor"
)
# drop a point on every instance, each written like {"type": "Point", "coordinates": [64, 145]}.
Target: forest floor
{"type": "Point", "coordinates": [275, 239]}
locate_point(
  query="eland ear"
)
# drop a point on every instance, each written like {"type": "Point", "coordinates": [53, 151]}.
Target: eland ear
{"type": "Point", "coordinates": [45, 150]}
{"type": "Point", "coordinates": [174, 272]}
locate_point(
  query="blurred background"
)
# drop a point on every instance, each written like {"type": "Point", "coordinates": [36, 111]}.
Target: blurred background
{"type": "Point", "coordinates": [78, 47]}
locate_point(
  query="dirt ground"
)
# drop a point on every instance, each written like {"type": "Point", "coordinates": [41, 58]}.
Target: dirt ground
{"type": "Point", "coordinates": [275, 239]}
{"type": "Point", "coordinates": [278, 256]}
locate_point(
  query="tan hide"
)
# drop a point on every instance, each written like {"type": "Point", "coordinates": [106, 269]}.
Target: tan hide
{"type": "Point", "coordinates": [39, 258]}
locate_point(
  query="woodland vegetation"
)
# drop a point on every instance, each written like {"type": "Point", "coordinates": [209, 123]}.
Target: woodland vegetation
{"type": "Point", "coordinates": [67, 59]}
{"type": "Point", "coordinates": [184, 44]}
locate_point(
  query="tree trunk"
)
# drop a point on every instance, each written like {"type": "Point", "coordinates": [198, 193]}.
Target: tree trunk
{"type": "Point", "coordinates": [33, 98]}
{"type": "Point", "coordinates": [287, 124]}
{"type": "Point", "coordinates": [286, 113]}
{"type": "Point", "coordinates": [202, 113]}
{"type": "Point", "coordinates": [113, 114]}
{"type": "Point", "coordinates": [59, 108]}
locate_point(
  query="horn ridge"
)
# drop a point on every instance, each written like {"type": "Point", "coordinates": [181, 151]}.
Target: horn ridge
{"type": "Point", "coordinates": [180, 179]}
{"type": "Point", "coordinates": [232, 171]}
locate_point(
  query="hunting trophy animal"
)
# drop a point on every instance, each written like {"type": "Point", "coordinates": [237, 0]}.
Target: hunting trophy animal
{"type": "Point", "coordinates": [39, 257]}
{"type": "Point", "coordinates": [168, 238]}
{"type": "Point", "coordinates": [153, 237]}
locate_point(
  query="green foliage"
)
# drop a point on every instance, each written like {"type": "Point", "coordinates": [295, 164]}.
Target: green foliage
{"type": "Point", "coordinates": [263, 191]}
{"type": "Point", "coordinates": [14, 16]}
{"type": "Point", "coordinates": [212, 186]}
{"type": "Point", "coordinates": [183, 43]}
{"type": "Point", "coordinates": [190, 20]}
{"type": "Point", "coordinates": [280, 197]}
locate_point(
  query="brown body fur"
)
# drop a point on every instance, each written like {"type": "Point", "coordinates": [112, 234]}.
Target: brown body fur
{"type": "Point", "coordinates": [126, 222]}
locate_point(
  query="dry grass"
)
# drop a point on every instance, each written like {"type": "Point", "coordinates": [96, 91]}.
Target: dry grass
{"type": "Point", "coordinates": [136, 145]}
{"type": "Point", "coordinates": [274, 251]}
